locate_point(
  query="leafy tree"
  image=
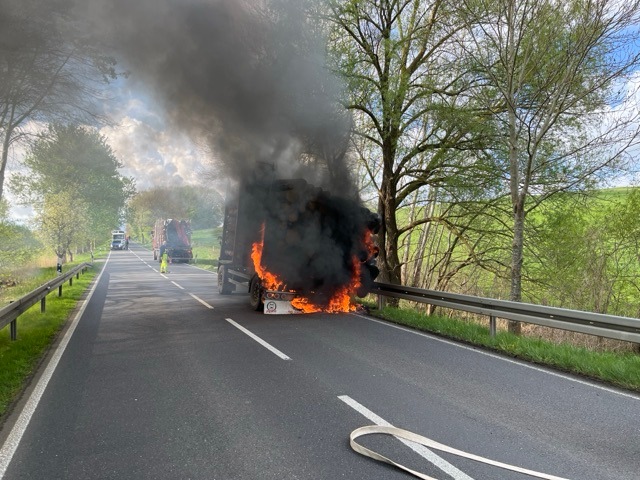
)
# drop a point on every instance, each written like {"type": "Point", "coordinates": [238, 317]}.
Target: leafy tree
{"type": "Point", "coordinates": [411, 98]}
{"type": "Point", "coordinates": [558, 250]}
{"type": "Point", "coordinates": [62, 221]}
{"type": "Point", "coordinates": [49, 71]}
{"type": "Point", "coordinates": [551, 73]}
{"type": "Point", "coordinates": [17, 246]}
{"type": "Point", "coordinates": [585, 253]}
{"type": "Point", "coordinates": [202, 206]}
{"type": "Point", "coordinates": [69, 158]}
{"type": "Point", "coordinates": [621, 224]}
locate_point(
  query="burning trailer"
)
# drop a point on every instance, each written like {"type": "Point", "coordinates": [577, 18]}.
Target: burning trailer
{"type": "Point", "coordinates": [295, 248]}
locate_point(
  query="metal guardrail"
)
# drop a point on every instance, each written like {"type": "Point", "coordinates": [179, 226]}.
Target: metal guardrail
{"type": "Point", "coordinates": [610, 326]}
{"type": "Point", "coordinates": [10, 313]}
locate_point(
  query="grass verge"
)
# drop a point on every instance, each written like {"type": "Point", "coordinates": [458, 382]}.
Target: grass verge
{"type": "Point", "coordinates": [617, 369]}
{"type": "Point", "coordinates": [33, 277]}
{"type": "Point", "coordinates": [19, 359]}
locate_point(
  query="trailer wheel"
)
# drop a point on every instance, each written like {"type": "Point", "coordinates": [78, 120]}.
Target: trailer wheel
{"type": "Point", "coordinates": [255, 294]}
{"type": "Point", "coordinates": [224, 285]}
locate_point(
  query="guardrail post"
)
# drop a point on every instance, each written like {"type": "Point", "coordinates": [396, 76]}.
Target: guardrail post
{"type": "Point", "coordinates": [14, 329]}
{"type": "Point", "coordinates": [43, 304]}
{"type": "Point", "coordinates": [77, 275]}
{"type": "Point", "coordinates": [59, 290]}
{"type": "Point", "coordinates": [381, 302]}
{"type": "Point", "coordinates": [492, 325]}
{"type": "Point", "coordinates": [71, 281]}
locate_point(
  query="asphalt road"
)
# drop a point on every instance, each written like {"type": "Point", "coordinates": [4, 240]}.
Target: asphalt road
{"type": "Point", "coordinates": [163, 378]}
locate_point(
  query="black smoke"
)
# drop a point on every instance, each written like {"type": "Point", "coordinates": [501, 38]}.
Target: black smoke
{"type": "Point", "coordinates": [249, 78]}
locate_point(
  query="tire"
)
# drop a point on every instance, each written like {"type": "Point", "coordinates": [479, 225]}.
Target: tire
{"type": "Point", "coordinates": [255, 294]}
{"type": "Point", "coordinates": [155, 255]}
{"type": "Point", "coordinates": [224, 286]}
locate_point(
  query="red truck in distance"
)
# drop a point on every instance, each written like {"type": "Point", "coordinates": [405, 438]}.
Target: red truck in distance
{"type": "Point", "coordinates": [176, 237]}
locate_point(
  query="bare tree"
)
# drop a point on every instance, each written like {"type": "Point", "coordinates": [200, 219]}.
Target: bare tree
{"type": "Point", "coordinates": [555, 75]}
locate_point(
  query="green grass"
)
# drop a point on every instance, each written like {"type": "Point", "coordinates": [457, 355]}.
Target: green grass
{"type": "Point", "coordinates": [37, 276]}
{"type": "Point", "coordinates": [19, 359]}
{"type": "Point", "coordinates": [206, 247]}
{"type": "Point", "coordinates": [617, 369]}
{"type": "Point", "coordinates": [30, 282]}
{"type": "Point", "coordinates": [614, 194]}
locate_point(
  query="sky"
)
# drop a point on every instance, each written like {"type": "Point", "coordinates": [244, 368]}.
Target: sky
{"type": "Point", "coordinates": [152, 153]}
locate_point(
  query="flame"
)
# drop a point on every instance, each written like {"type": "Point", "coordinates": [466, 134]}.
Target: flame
{"type": "Point", "coordinates": [372, 248]}
{"type": "Point", "coordinates": [269, 280]}
{"type": "Point", "coordinates": [339, 302]}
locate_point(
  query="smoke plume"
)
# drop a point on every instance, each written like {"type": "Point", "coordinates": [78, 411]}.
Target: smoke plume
{"type": "Point", "coordinates": [246, 76]}
{"type": "Point", "coordinates": [249, 79]}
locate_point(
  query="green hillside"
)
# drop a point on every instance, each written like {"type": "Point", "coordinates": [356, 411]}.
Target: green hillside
{"type": "Point", "coordinates": [206, 246]}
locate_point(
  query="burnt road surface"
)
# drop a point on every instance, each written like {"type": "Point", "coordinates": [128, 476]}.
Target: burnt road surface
{"type": "Point", "coordinates": [163, 378]}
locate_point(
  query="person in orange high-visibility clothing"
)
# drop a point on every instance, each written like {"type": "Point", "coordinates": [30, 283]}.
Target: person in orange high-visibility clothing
{"type": "Point", "coordinates": [164, 262]}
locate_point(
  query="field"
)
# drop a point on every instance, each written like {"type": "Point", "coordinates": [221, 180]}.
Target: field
{"type": "Point", "coordinates": [206, 247]}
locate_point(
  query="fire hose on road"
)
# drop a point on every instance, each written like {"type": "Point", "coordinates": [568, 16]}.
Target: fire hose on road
{"type": "Point", "coordinates": [427, 442]}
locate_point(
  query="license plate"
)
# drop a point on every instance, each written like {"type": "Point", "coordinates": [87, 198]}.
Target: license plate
{"type": "Point", "coordinates": [279, 303]}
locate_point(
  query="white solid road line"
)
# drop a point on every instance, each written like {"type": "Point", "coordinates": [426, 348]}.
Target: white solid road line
{"type": "Point", "coordinates": [259, 340]}
{"type": "Point", "coordinates": [177, 285]}
{"type": "Point", "coordinates": [421, 450]}
{"type": "Point", "coordinates": [202, 301]}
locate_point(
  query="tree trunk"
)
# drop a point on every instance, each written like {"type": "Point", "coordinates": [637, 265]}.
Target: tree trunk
{"type": "Point", "coordinates": [388, 260]}
{"type": "Point", "coordinates": [417, 267]}
{"type": "Point", "coordinates": [516, 261]}
{"type": "Point", "coordinates": [6, 141]}
{"type": "Point", "coordinates": [406, 254]}
{"type": "Point", "coordinates": [389, 254]}
{"type": "Point", "coordinates": [424, 236]}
